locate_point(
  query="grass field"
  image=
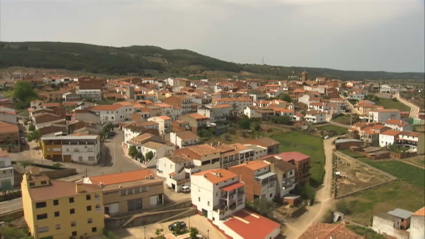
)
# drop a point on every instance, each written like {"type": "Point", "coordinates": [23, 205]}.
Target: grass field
{"type": "Point", "coordinates": [404, 171]}
{"type": "Point", "coordinates": [333, 130]}
{"type": "Point", "coordinates": [391, 104]}
{"type": "Point", "coordinates": [346, 119]}
{"type": "Point", "coordinates": [383, 199]}
{"type": "Point", "coordinates": [306, 144]}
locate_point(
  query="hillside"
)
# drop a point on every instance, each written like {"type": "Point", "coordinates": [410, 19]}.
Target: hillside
{"type": "Point", "coordinates": [152, 60]}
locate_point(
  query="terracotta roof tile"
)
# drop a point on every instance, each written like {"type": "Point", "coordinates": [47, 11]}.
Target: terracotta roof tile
{"type": "Point", "coordinates": [217, 175]}
{"type": "Point", "coordinates": [124, 177]}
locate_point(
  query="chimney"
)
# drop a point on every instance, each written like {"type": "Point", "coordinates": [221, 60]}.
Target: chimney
{"type": "Point", "coordinates": [79, 187]}
{"type": "Point", "coordinates": [101, 185]}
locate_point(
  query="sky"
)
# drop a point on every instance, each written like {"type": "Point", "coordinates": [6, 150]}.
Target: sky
{"type": "Point", "coordinates": [384, 35]}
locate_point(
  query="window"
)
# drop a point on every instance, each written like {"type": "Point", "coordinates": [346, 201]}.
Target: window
{"type": "Point", "coordinates": [71, 200]}
{"type": "Point", "coordinates": [43, 182]}
{"type": "Point", "coordinates": [57, 214]}
{"type": "Point", "coordinates": [41, 216]}
{"type": "Point", "coordinates": [208, 203]}
{"type": "Point", "coordinates": [72, 211]}
{"type": "Point", "coordinates": [88, 197]}
{"type": "Point", "coordinates": [94, 229]}
{"type": "Point", "coordinates": [90, 220]}
{"type": "Point", "coordinates": [80, 158]}
{"type": "Point", "coordinates": [55, 202]}
{"type": "Point", "coordinates": [134, 204]}
{"type": "Point", "coordinates": [88, 208]}
{"type": "Point", "coordinates": [73, 224]}
{"type": "Point", "coordinates": [43, 229]}
{"type": "Point", "coordinates": [40, 205]}
{"type": "Point", "coordinates": [32, 184]}
{"type": "Point", "coordinates": [199, 199]}
{"type": "Point", "coordinates": [58, 226]}
{"type": "Point", "coordinates": [74, 233]}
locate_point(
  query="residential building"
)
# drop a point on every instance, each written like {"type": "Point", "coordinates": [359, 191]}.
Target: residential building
{"type": "Point", "coordinates": [9, 133]}
{"type": "Point", "coordinates": [301, 162]}
{"type": "Point", "coordinates": [115, 113]}
{"type": "Point", "coordinates": [92, 94]}
{"type": "Point", "coordinates": [238, 104]}
{"type": "Point", "coordinates": [260, 181]}
{"type": "Point", "coordinates": [8, 115]}
{"type": "Point", "coordinates": [399, 125]}
{"type": "Point", "coordinates": [413, 140]}
{"type": "Point", "coordinates": [184, 138]}
{"type": "Point", "coordinates": [196, 121]}
{"type": "Point", "coordinates": [88, 83]}
{"type": "Point", "coordinates": [258, 150]}
{"type": "Point", "coordinates": [329, 231]}
{"type": "Point", "coordinates": [382, 116]}
{"type": "Point", "coordinates": [234, 154]}
{"type": "Point", "coordinates": [182, 101]}
{"type": "Point", "coordinates": [60, 209]}
{"type": "Point", "coordinates": [180, 125]}
{"type": "Point", "coordinates": [216, 112]}
{"type": "Point", "coordinates": [417, 224]}
{"type": "Point", "coordinates": [7, 177]}
{"type": "Point", "coordinates": [393, 223]}
{"type": "Point", "coordinates": [328, 108]}
{"type": "Point", "coordinates": [357, 94]}
{"type": "Point", "coordinates": [257, 112]}
{"type": "Point", "coordinates": [135, 129]}
{"type": "Point", "coordinates": [164, 123]}
{"type": "Point", "coordinates": [219, 195]}
{"type": "Point", "coordinates": [129, 191]}
{"type": "Point", "coordinates": [271, 145]}
{"type": "Point", "coordinates": [158, 150]}
{"type": "Point", "coordinates": [315, 117]}
{"type": "Point", "coordinates": [72, 148]}
{"type": "Point", "coordinates": [285, 173]}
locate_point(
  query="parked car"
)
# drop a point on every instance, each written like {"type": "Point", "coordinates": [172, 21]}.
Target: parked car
{"type": "Point", "coordinates": [185, 189]}
{"type": "Point", "coordinates": [174, 225]}
{"type": "Point", "coordinates": [112, 134]}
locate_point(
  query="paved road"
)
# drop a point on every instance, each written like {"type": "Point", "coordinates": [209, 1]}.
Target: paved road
{"type": "Point", "coordinates": [414, 109]}
{"type": "Point", "coordinates": [10, 206]}
{"type": "Point", "coordinates": [323, 201]}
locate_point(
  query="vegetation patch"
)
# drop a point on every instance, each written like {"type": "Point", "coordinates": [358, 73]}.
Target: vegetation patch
{"type": "Point", "coordinates": [366, 232]}
{"type": "Point", "coordinates": [383, 198]}
{"type": "Point", "coordinates": [332, 130]}
{"type": "Point", "coordinates": [306, 144]}
{"type": "Point", "coordinates": [393, 104]}
{"type": "Point", "coordinates": [346, 119]}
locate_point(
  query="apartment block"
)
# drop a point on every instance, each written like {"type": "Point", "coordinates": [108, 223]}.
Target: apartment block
{"type": "Point", "coordinates": [72, 148]}
{"type": "Point", "coordinates": [301, 163]}
{"type": "Point", "coordinates": [7, 178]}
{"type": "Point", "coordinates": [59, 209]}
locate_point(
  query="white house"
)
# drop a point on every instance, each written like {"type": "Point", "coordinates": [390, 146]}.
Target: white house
{"type": "Point", "coordinates": [175, 169]}
{"type": "Point", "coordinates": [158, 150]}
{"type": "Point", "coordinates": [315, 117]}
{"type": "Point", "coordinates": [216, 112]}
{"type": "Point", "coordinates": [399, 125]}
{"type": "Point", "coordinates": [219, 195]}
{"type": "Point", "coordinates": [388, 89]}
{"type": "Point", "coordinates": [93, 94]}
{"type": "Point", "coordinates": [184, 138]}
{"type": "Point", "coordinates": [7, 178]}
{"type": "Point", "coordinates": [413, 140]}
{"type": "Point", "coordinates": [115, 113]}
{"type": "Point", "coordinates": [239, 103]}
{"type": "Point", "coordinates": [383, 115]}
{"type": "Point", "coordinates": [134, 129]}
{"type": "Point", "coordinates": [357, 95]}
{"type": "Point", "coordinates": [388, 137]}
{"type": "Point", "coordinates": [164, 123]}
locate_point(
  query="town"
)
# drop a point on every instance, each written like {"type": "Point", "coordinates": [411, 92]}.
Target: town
{"type": "Point", "coordinates": [307, 157]}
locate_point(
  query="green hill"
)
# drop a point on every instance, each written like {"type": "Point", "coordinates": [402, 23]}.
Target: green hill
{"type": "Point", "coordinates": [152, 60]}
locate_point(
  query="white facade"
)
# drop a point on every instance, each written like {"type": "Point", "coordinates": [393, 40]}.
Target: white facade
{"type": "Point", "coordinates": [164, 123]}
{"type": "Point", "coordinates": [90, 94]}
{"type": "Point", "coordinates": [382, 116]}
{"type": "Point", "coordinates": [417, 227]}
{"type": "Point", "coordinates": [115, 115]}
{"type": "Point", "coordinates": [315, 118]}
{"type": "Point", "coordinates": [402, 126]}
{"type": "Point", "coordinates": [385, 140]}
{"type": "Point", "coordinates": [357, 95]}
{"type": "Point", "coordinates": [175, 139]}
{"type": "Point", "coordinates": [7, 178]}
{"type": "Point", "coordinates": [159, 150]}
{"type": "Point", "coordinates": [8, 115]}
{"type": "Point", "coordinates": [240, 103]}
{"type": "Point", "coordinates": [131, 132]}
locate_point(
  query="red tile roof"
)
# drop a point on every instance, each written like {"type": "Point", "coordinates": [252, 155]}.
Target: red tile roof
{"type": "Point", "coordinates": [297, 156]}
{"type": "Point", "coordinates": [232, 186]}
{"type": "Point", "coordinates": [391, 132]}
{"type": "Point", "coordinates": [420, 212]}
{"type": "Point", "coordinates": [250, 225]}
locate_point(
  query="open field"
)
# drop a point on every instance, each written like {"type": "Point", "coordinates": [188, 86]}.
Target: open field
{"type": "Point", "coordinates": [418, 160]}
{"type": "Point", "coordinates": [383, 199]}
{"type": "Point", "coordinates": [306, 144]}
{"type": "Point", "coordinates": [391, 104]}
{"type": "Point", "coordinates": [356, 176]}
{"type": "Point", "coordinates": [346, 119]}
{"type": "Point", "coordinates": [332, 130]}
{"type": "Point", "coordinates": [419, 128]}
{"type": "Point", "coordinates": [403, 171]}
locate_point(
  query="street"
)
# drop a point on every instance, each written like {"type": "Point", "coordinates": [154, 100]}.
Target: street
{"type": "Point", "coordinates": [10, 206]}
{"type": "Point", "coordinates": [322, 203]}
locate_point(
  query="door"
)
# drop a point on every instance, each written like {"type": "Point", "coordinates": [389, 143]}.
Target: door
{"type": "Point", "coordinates": [204, 213]}
{"type": "Point", "coordinates": [107, 210]}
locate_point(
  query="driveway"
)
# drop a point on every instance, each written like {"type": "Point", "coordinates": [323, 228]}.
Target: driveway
{"type": "Point", "coordinates": [204, 227]}
{"type": "Point", "coordinates": [323, 201]}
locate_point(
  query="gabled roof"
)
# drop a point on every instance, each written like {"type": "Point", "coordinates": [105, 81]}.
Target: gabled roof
{"type": "Point", "coordinates": [420, 212]}
{"type": "Point", "coordinates": [106, 107]}
{"type": "Point", "coordinates": [253, 165]}
{"type": "Point", "coordinates": [297, 156]}
{"type": "Point", "coordinates": [326, 231]}
{"type": "Point", "coordinates": [216, 175]}
{"type": "Point", "coordinates": [251, 225]}
{"type": "Point", "coordinates": [391, 132]}
{"type": "Point", "coordinates": [397, 122]}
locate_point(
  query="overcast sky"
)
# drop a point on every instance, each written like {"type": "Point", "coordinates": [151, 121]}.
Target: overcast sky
{"type": "Point", "coordinates": [341, 34]}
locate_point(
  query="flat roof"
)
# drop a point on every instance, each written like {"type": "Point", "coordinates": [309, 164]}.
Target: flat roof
{"type": "Point", "coordinates": [266, 175]}
{"type": "Point", "coordinates": [401, 213]}
{"type": "Point", "coordinates": [339, 141]}
{"type": "Point", "coordinates": [69, 137]}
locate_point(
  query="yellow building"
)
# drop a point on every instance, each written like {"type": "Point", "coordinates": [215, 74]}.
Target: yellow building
{"type": "Point", "coordinates": [58, 209]}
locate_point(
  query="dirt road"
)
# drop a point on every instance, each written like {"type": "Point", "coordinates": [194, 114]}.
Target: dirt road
{"type": "Point", "coordinates": [323, 200]}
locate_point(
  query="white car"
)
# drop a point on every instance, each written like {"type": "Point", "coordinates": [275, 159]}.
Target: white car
{"type": "Point", "coordinates": [185, 189]}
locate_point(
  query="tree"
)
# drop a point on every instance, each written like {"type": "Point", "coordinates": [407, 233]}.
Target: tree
{"type": "Point", "coordinates": [140, 156]}
{"type": "Point", "coordinates": [286, 97]}
{"type": "Point", "coordinates": [149, 156]}
{"type": "Point", "coordinates": [193, 233]}
{"type": "Point", "coordinates": [306, 191]}
{"type": "Point", "coordinates": [244, 123]}
{"type": "Point", "coordinates": [285, 119]}
{"type": "Point", "coordinates": [227, 136]}
{"type": "Point", "coordinates": [57, 165]}
{"type": "Point", "coordinates": [344, 207]}
{"type": "Point", "coordinates": [13, 233]}
{"type": "Point", "coordinates": [23, 93]}
{"type": "Point", "coordinates": [256, 126]}
{"type": "Point", "coordinates": [24, 164]}
{"type": "Point", "coordinates": [263, 206]}
{"type": "Point", "coordinates": [34, 136]}
{"type": "Point", "coordinates": [132, 151]}
{"type": "Point", "coordinates": [31, 127]}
